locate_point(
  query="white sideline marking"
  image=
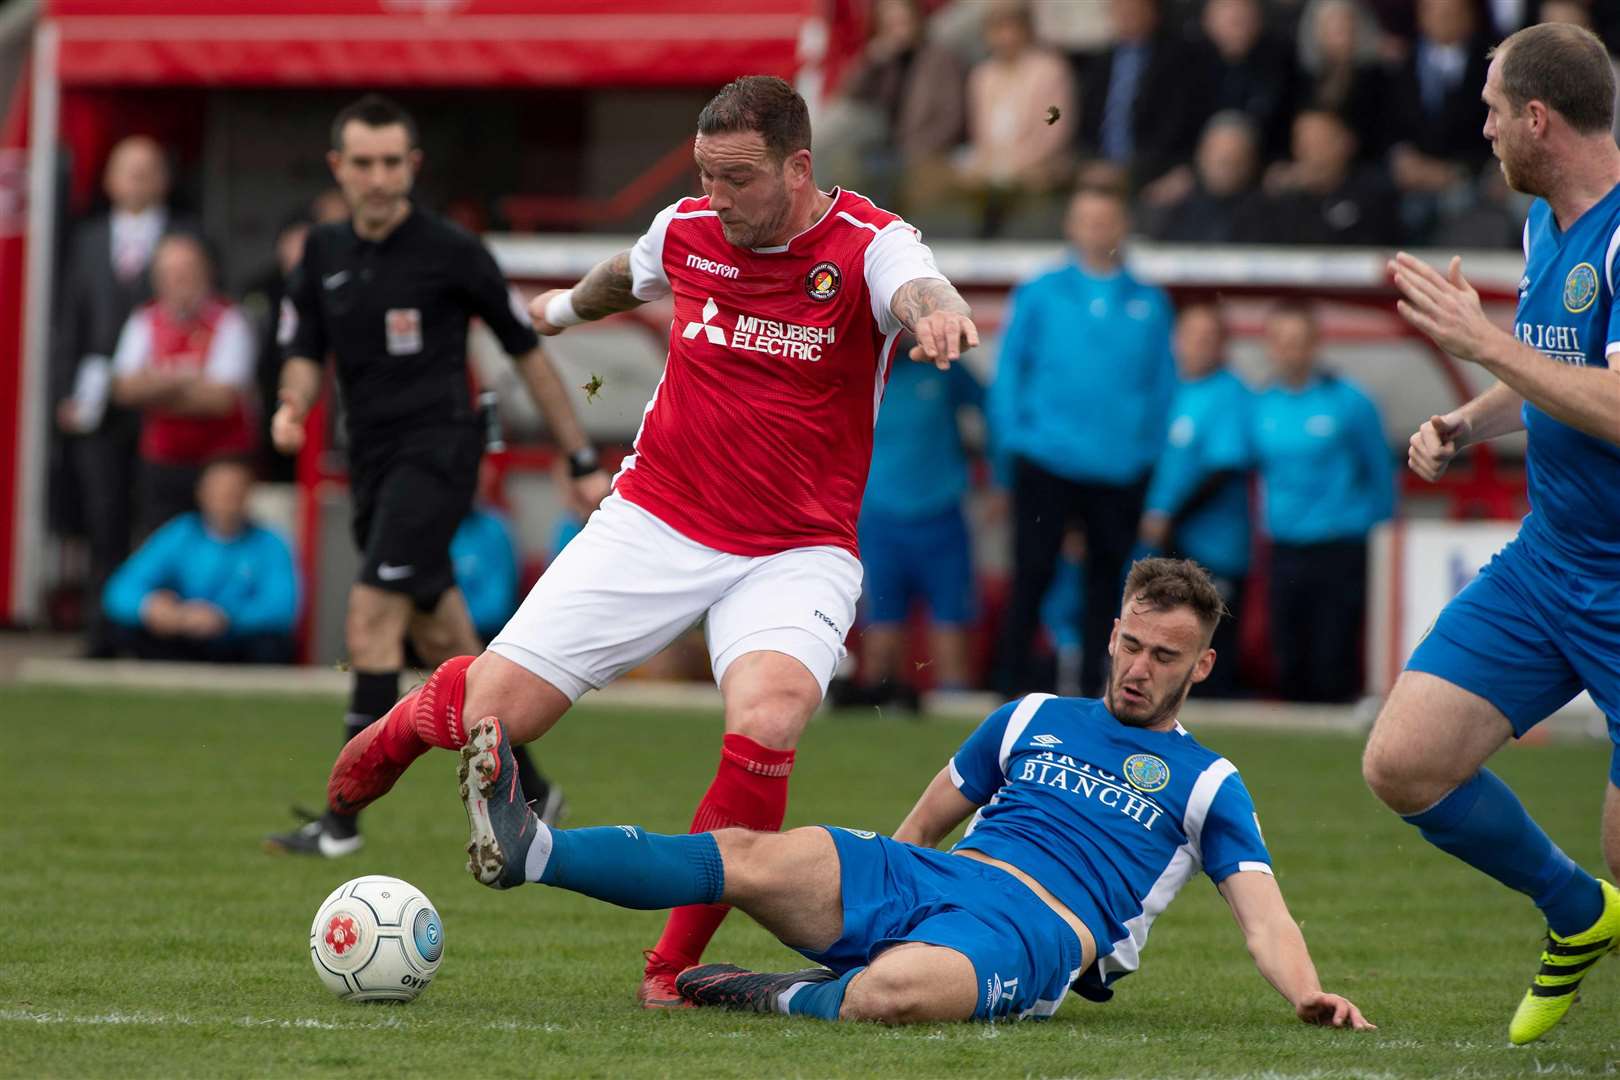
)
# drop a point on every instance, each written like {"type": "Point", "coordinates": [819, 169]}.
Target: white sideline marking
{"type": "Point", "coordinates": [119, 1019]}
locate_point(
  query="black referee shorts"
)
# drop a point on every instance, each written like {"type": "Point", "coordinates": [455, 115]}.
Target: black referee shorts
{"type": "Point", "coordinates": [409, 498]}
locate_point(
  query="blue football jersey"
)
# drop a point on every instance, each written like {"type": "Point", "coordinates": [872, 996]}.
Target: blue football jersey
{"type": "Point", "coordinates": [1113, 820]}
{"type": "Point", "coordinates": [1567, 312]}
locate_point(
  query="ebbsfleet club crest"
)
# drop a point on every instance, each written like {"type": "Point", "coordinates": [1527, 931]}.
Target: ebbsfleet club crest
{"type": "Point", "coordinates": [822, 282]}
{"type": "Point", "coordinates": [1147, 773]}
{"type": "Point", "coordinates": [1580, 288]}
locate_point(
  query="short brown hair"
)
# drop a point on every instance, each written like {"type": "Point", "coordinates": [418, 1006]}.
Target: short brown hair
{"type": "Point", "coordinates": [1165, 584]}
{"type": "Point", "coordinates": [765, 105]}
{"type": "Point", "coordinates": [1563, 66]}
{"type": "Point", "coordinates": [374, 111]}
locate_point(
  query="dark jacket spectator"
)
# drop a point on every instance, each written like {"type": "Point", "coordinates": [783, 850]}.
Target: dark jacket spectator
{"type": "Point", "coordinates": [1342, 73]}
{"type": "Point", "coordinates": [1322, 196]}
{"type": "Point", "coordinates": [1125, 115]}
{"type": "Point", "coordinates": [1435, 108]}
{"type": "Point", "coordinates": [105, 276]}
{"type": "Point", "coordinates": [209, 585]}
{"type": "Point", "coordinates": [1222, 204]}
{"type": "Point", "coordinates": [1249, 71]}
{"type": "Point", "coordinates": [915, 85]}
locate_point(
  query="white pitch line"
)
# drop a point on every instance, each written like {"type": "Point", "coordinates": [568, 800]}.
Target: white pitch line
{"type": "Point", "coordinates": [120, 1019]}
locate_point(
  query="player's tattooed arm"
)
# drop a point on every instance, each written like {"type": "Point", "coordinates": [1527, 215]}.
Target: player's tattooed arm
{"type": "Point", "coordinates": [938, 317]}
{"type": "Point", "coordinates": [602, 292]}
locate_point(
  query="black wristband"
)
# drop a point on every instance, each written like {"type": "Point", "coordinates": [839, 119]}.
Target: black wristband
{"type": "Point", "coordinates": [583, 462]}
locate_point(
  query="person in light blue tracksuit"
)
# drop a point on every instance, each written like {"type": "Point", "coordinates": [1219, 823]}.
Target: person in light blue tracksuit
{"type": "Point", "coordinates": [1078, 412]}
{"type": "Point", "coordinates": [1327, 477]}
{"type": "Point", "coordinates": [1198, 503]}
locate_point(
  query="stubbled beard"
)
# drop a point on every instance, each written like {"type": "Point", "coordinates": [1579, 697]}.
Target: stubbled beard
{"type": "Point", "coordinates": [753, 236]}
{"type": "Point", "coordinates": [1164, 710]}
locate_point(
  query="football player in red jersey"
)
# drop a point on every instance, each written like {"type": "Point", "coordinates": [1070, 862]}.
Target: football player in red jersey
{"type": "Point", "coordinates": [740, 500]}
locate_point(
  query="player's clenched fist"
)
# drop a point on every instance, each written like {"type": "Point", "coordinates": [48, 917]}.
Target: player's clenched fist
{"type": "Point", "coordinates": [1431, 449]}
{"type": "Point", "coordinates": [537, 313]}
{"type": "Point", "coordinates": [943, 336]}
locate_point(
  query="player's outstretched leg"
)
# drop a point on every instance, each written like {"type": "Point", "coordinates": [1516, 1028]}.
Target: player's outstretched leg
{"type": "Point", "coordinates": [1564, 963]}
{"type": "Point", "coordinates": [622, 864]}
{"type": "Point", "coordinates": [728, 986]}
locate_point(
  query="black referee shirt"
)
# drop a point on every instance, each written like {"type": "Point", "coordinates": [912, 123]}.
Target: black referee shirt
{"type": "Point", "coordinates": [395, 315]}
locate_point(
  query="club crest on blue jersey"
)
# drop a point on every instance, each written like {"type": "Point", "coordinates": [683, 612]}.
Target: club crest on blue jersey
{"type": "Point", "coordinates": [1147, 773]}
{"type": "Point", "coordinates": [1580, 288]}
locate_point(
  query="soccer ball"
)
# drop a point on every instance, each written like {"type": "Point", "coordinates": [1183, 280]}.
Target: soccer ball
{"type": "Point", "coordinates": [376, 939]}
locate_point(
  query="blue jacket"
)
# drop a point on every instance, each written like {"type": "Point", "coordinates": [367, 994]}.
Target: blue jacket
{"type": "Point", "coordinates": [1326, 472]}
{"type": "Point", "coordinates": [486, 568]}
{"type": "Point", "coordinates": [1209, 435]}
{"type": "Point", "coordinates": [250, 576]}
{"type": "Point", "coordinates": [919, 468]}
{"type": "Point", "coordinates": [1084, 377]}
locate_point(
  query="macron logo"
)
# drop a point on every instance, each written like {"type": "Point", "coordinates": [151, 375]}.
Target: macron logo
{"type": "Point", "coordinates": [715, 335]}
{"type": "Point", "coordinates": [709, 266]}
{"type": "Point", "coordinates": [1047, 740]}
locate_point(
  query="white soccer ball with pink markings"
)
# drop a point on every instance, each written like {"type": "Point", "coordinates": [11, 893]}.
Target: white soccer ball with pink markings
{"type": "Point", "coordinates": [376, 939]}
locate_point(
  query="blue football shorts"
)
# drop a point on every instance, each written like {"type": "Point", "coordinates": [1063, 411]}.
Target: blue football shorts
{"type": "Point", "coordinates": [1527, 636]}
{"type": "Point", "coordinates": [928, 558]}
{"type": "Point", "coordinates": [1024, 956]}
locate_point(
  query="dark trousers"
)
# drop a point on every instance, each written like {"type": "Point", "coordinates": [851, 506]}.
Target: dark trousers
{"type": "Point", "coordinates": [245, 649]}
{"type": "Point", "coordinates": [1318, 608]}
{"type": "Point", "coordinates": [1044, 507]}
{"type": "Point", "coordinates": [1223, 677]}
{"type": "Point", "coordinates": [106, 465]}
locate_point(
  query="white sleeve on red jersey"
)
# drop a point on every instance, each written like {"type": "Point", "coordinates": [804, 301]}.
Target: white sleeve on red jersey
{"type": "Point", "coordinates": [134, 351]}
{"type": "Point", "coordinates": [231, 353]}
{"type": "Point", "coordinates": [895, 257]}
{"type": "Point", "coordinates": [647, 278]}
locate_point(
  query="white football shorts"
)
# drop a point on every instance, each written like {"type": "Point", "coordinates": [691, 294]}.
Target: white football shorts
{"type": "Point", "coordinates": [628, 585]}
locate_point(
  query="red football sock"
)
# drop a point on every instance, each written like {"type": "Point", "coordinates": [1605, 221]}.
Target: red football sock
{"type": "Point", "coordinates": [372, 761]}
{"type": "Point", "coordinates": [750, 791]}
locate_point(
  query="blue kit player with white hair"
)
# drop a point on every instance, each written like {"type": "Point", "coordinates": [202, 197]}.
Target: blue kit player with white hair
{"type": "Point", "coordinates": [1541, 621]}
{"type": "Point", "coordinates": [1089, 816]}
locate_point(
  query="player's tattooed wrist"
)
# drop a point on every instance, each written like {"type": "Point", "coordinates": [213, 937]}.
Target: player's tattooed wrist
{"type": "Point", "coordinates": [921, 297]}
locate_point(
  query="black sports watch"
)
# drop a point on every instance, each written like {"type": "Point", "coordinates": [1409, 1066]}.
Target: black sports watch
{"type": "Point", "coordinates": [583, 462]}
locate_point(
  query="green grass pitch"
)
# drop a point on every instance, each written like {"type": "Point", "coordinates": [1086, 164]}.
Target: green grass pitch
{"type": "Point", "coordinates": [146, 934]}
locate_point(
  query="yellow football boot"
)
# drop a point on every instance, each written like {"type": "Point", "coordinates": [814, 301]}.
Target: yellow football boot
{"type": "Point", "coordinates": [1564, 964]}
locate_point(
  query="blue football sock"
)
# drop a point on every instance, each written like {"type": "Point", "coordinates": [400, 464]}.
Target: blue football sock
{"type": "Point", "coordinates": [1484, 824]}
{"type": "Point", "coordinates": [821, 1000]}
{"type": "Point", "coordinates": [624, 865]}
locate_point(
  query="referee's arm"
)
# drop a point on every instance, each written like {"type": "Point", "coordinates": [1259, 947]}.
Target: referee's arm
{"type": "Point", "coordinates": [300, 335]}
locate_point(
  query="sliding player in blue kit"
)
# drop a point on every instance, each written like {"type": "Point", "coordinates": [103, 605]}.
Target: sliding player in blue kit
{"type": "Point", "coordinates": [1542, 619]}
{"type": "Point", "coordinates": [1091, 815]}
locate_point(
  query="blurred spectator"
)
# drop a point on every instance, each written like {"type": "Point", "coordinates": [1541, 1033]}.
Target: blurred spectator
{"type": "Point", "coordinates": [329, 206]}
{"type": "Point", "coordinates": [1494, 220]}
{"type": "Point", "coordinates": [1327, 478]}
{"type": "Point", "coordinates": [1437, 114]}
{"type": "Point", "coordinates": [105, 277]}
{"type": "Point", "coordinates": [1338, 50]}
{"type": "Point", "coordinates": [1015, 148]}
{"type": "Point", "coordinates": [901, 110]}
{"type": "Point", "coordinates": [1198, 503]}
{"type": "Point", "coordinates": [211, 584]}
{"type": "Point", "coordinates": [262, 303]}
{"type": "Point", "coordinates": [1580, 13]}
{"type": "Point", "coordinates": [1218, 202]}
{"type": "Point", "coordinates": [1078, 412]}
{"type": "Point", "coordinates": [1126, 116]}
{"type": "Point", "coordinates": [1249, 70]}
{"type": "Point", "coordinates": [914, 538]}
{"type": "Point", "coordinates": [186, 361]}
{"type": "Point", "coordinates": [1322, 196]}
{"type": "Point", "coordinates": [484, 555]}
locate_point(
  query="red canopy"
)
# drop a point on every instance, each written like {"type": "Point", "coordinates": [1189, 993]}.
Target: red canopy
{"type": "Point", "coordinates": [426, 42]}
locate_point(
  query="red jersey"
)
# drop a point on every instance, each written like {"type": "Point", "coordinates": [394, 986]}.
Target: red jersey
{"type": "Point", "coordinates": [759, 435]}
{"type": "Point", "coordinates": [217, 344]}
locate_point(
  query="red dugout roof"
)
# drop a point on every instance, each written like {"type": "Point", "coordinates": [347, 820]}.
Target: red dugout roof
{"type": "Point", "coordinates": [425, 42]}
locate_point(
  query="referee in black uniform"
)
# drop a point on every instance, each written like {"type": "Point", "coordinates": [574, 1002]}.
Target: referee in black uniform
{"type": "Point", "coordinates": [389, 294]}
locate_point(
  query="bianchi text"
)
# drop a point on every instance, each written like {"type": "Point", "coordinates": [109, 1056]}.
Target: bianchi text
{"type": "Point", "coordinates": [789, 340]}
{"type": "Point", "coordinates": [1063, 772]}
